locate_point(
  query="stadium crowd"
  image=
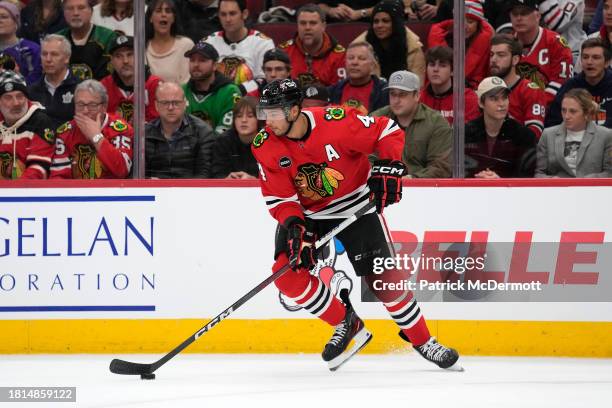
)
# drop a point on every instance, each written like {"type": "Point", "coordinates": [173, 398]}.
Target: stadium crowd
{"type": "Point", "coordinates": [538, 82]}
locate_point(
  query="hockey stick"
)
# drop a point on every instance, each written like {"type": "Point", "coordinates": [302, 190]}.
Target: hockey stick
{"type": "Point", "coordinates": [126, 367]}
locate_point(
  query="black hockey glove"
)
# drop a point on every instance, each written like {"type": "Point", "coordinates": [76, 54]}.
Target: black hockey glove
{"type": "Point", "coordinates": [386, 183]}
{"type": "Point", "coordinates": [300, 243]}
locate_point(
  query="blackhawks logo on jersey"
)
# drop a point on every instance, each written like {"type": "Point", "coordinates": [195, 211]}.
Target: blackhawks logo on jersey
{"type": "Point", "coordinates": [8, 171]}
{"type": "Point", "coordinates": [118, 125]}
{"type": "Point", "coordinates": [316, 181]}
{"type": "Point", "coordinates": [48, 135]}
{"type": "Point", "coordinates": [85, 165]}
{"type": "Point", "coordinates": [64, 127]}
{"type": "Point", "coordinates": [531, 73]}
{"type": "Point", "coordinates": [334, 113]}
{"type": "Point", "coordinates": [126, 110]}
{"type": "Point", "coordinates": [260, 138]}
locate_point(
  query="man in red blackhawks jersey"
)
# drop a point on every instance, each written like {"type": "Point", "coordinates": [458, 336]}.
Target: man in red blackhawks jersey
{"type": "Point", "coordinates": [314, 173]}
{"type": "Point", "coordinates": [120, 84]}
{"type": "Point", "coordinates": [547, 57]}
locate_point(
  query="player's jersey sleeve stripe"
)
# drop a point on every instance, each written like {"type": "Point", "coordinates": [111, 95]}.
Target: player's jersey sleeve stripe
{"type": "Point", "coordinates": [33, 157]}
{"type": "Point", "coordinates": [272, 201]}
{"type": "Point", "coordinates": [538, 123]}
{"type": "Point", "coordinates": [390, 128]}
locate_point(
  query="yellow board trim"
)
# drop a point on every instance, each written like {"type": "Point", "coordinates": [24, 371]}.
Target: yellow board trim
{"type": "Point", "coordinates": [485, 338]}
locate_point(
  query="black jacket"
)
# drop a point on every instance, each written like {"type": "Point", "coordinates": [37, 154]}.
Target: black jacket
{"type": "Point", "coordinates": [186, 155]}
{"type": "Point", "coordinates": [378, 98]}
{"type": "Point", "coordinates": [59, 106]}
{"type": "Point", "coordinates": [513, 154]}
{"type": "Point", "coordinates": [28, 29]}
{"type": "Point", "coordinates": [230, 154]}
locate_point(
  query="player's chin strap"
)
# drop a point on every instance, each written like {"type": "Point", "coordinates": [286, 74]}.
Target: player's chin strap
{"type": "Point", "coordinates": [291, 122]}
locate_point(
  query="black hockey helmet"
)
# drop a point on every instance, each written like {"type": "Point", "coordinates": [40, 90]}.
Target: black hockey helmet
{"type": "Point", "coordinates": [280, 94]}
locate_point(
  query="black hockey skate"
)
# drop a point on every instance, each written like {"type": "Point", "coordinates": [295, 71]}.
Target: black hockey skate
{"type": "Point", "coordinates": [442, 356]}
{"type": "Point", "coordinates": [351, 328]}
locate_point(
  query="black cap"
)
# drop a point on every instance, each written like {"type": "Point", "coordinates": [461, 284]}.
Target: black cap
{"type": "Point", "coordinates": [532, 4]}
{"type": "Point", "coordinates": [316, 91]}
{"type": "Point", "coordinates": [120, 42]}
{"type": "Point", "coordinates": [276, 54]}
{"type": "Point", "coordinates": [204, 49]}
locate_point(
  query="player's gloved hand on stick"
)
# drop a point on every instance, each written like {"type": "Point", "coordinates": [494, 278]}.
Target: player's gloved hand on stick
{"type": "Point", "coordinates": [300, 243]}
{"type": "Point", "coordinates": [386, 183]}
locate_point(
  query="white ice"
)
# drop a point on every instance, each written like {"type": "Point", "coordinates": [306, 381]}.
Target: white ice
{"type": "Point", "coordinates": [288, 381]}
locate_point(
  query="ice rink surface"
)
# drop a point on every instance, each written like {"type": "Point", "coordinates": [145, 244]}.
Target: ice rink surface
{"type": "Point", "coordinates": [270, 381]}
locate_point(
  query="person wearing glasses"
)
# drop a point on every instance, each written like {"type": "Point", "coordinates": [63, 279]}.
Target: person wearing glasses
{"type": "Point", "coordinates": [178, 145]}
{"type": "Point", "coordinates": [95, 144]}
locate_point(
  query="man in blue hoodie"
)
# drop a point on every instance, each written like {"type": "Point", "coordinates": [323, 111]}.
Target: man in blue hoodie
{"type": "Point", "coordinates": [595, 78]}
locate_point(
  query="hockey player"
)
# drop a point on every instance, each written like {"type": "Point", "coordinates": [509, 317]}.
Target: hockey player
{"type": "Point", "coordinates": [26, 132]}
{"type": "Point", "coordinates": [95, 144]}
{"type": "Point", "coordinates": [120, 84]}
{"type": "Point", "coordinates": [526, 98]}
{"type": "Point", "coordinates": [547, 58]}
{"type": "Point", "coordinates": [314, 172]}
{"type": "Point", "coordinates": [241, 50]}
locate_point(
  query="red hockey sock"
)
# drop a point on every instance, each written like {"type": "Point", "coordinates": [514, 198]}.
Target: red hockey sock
{"type": "Point", "coordinates": [407, 314]}
{"type": "Point", "coordinates": [309, 292]}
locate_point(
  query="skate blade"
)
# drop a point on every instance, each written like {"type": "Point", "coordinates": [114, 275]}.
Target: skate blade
{"type": "Point", "coordinates": [361, 339]}
{"type": "Point", "coordinates": [456, 368]}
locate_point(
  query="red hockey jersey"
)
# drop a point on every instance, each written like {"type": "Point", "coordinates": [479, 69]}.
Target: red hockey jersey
{"type": "Point", "coordinates": [26, 147]}
{"type": "Point", "coordinates": [527, 105]}
{"type": "Point", "coordinates": [121, 102]}
{"type": "Point", "coordinates": [444, 103]}
{"type": "Point", "coordinates": [324, 175]}
{"type": "Point", "coordinates": [327, 67]}
{"type": "Point", "coordinates": [75, 157]}
{"type": "Point", "coordinates": [548, 63]}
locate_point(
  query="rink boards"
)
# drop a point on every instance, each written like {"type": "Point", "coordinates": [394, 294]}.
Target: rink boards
{"type": "Point", "coordinates": [138, 266]}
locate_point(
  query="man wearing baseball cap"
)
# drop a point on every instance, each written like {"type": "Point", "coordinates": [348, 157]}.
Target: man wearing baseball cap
{"type": "Point", "coordinates": [547, 57]}
{"type": "Point", "coordinates": [428, 147]}
{"type": "Point", "coordinates": [496, 145]}
{"type": "Point", "coordinates": [276, 65]}
{"type": "Point", "coordinates": [27, 139]}
{"type": "Point", "coordinates": [120, 84]}
{"type": "Point", "coordinates": [210, 94]}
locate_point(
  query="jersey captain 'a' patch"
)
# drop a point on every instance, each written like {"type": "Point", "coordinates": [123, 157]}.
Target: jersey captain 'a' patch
{"type": "Point", "coordinates": [316, 181]}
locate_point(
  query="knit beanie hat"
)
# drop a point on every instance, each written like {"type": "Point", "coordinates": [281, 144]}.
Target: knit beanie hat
{"type": "Point", "coordinates": [394, 8]}
{"type": "Point", "coordinates": [12, 9]}
{"type": "Point", "coordinates": [11, 81]}
{"type": "Point", "coordinates": [475, 9]}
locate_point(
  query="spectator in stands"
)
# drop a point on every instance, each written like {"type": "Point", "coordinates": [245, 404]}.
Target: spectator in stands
{"type": "Point", "coordinates": [358, 10]}
{"type": "Point", "coordinates": [26, 132]}
{"type": "Point", "coordinates": [210, 95]}
{"type": "Point", "coordinates": [241, 51]}
{"type": "Point", "coordinates": [597, 20]}
{"type": "Point", "coordinates": [232, 157]}
{"type": "Point", "coordinates": [428, 148]}
{"type": "Point", "coordinates": [526, 98]}
{"type": "Point", "coordinates": [55, 90]}
{"type": "Point", "coordinates": [496, 12]}
{"type": "Point", "coordinates": [90, 43]}
{"type": "Point", "coordinates": [438, 94]}
{"type": "Point", "coordinates": [395, 46]}
{"type": "Point", "coordinates": [165, 47]}
{"type": "Point", "coordinates": [199, 18]}
{"type": "Point", "coordinates": [547, 58]}
{"type": "Point", "coordinates": [478, 33]}
{"type": "Point", "coordinates": [120, 84]}
{"type": "Point", "coordinates": [565, 17]}
{"type": "Point", "coordinates": [361, 89]}
{"type": "Point", "coordinates": [315, 95]}
{"type": "Point", "coordinates": [276, 65]}
{"type": "Point", "coordinates": [595, 78]}
{"type": "Point", "coordinates": [604, 32]}
{"type": "Point", "coordinates": [95, 144]}
{"type": "Point", "coordinates": [178, 145]}
{"type": "Point", "coordinates": [497, 146]}
{"type": "Point", "coordinates": [315, 56]}
{"type": "Point", "coordinates": [26, 53]}
{"type": "Point", "coordinates": [116, 15]}
{"type": "Point", "coordinates": [425, 10]}
{"type": "Point", "coordinates": [41, 17]}
{"type": "Point", "coordinates": [577, 147]}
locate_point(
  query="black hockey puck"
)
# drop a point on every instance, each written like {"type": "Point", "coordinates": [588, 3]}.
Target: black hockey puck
{"type": "Point", "coordinates": [147, 376]}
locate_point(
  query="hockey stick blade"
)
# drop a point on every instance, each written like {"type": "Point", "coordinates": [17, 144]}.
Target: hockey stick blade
{"type": "Point", "coordinates": [128, 368]}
